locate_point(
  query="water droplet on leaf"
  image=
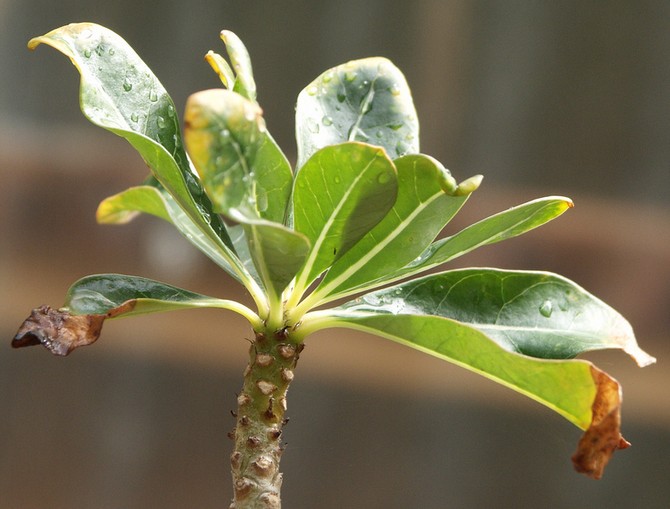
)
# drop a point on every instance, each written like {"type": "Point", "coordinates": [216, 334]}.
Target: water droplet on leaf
{"type": "Point", "coordinates": [327, 121]}
{"type": "Point", "coordinates": [395, 89]}
{"type": "Point", "coordinates": [127, 85]}
{"type": "Point", "coordinates": [153, 96]}
{"type": "Point", "coordinates": [87, 53]}
{"type": "Point", "coordinates": [134, 117]}
{"type": "Point", "coordinates": [312, 90]}
{"type": "Point", "coordinates": [313, 126]}
{"type": "Point", "coordinates": [546, 308]}
{"type": "Point", "coordinates": [161, 122]}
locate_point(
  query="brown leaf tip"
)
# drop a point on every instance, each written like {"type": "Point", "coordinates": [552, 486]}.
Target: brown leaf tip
{"type": "Point", "coordinates": [603, 437]}
{"type": "Point", "coordinates": [58, 330]}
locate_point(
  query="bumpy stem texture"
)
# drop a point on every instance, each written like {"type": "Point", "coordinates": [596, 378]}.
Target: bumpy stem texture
{"type": "Point", "coordinates": [260, 418]}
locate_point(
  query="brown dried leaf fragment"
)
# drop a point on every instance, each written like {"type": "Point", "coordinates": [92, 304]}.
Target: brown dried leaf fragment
{"type": "Point", "coordinates": [62, 332]}
{"type": "Point", "coordinates": [603, 437]}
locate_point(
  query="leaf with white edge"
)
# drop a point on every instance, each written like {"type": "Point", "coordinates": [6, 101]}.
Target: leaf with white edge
{"type": "Point", "coordinates": [120, 93]}
{"type": "Point", "coordinates": [584, 395]}
{"type": "Point", "coordinates": [424, 205]}
{"type": "Point", "coordinates": [363, 100]}
{"type": "Point", "coordinates": [538, 314]}
{"type": "Point", "coordinates": [93, 299]}
{"type": "Point", "coordinates": [240, 165]}
{"type": "Point", "coordinates": [504, 225]}
{"type": "Point", "coordinates": [339, 195]}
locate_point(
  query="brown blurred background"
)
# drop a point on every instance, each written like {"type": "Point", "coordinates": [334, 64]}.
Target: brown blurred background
{"type": "Point", "coordinates": [543, 98]}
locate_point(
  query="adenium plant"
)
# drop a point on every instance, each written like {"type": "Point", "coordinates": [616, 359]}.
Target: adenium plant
{"type": "Point", "coordinates": [346, 238]}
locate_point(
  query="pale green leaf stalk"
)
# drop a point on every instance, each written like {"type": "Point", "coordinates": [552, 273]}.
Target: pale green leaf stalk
{"type": "Point", "coordinates": [356, 218]}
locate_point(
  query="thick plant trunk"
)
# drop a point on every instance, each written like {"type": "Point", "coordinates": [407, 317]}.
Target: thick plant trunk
{"type": "Point", "coordinates": [260, 419]}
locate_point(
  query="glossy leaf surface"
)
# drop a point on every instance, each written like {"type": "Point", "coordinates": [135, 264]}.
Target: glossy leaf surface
{"type": "Point", "coordinates": [534, 313]}
{"type": "Point", "coordinates": [240, 165]}
{"type": "Point", "coordinates": [120, 93]}
{"type": "Point", "coordinates": [424, 205]}
{"type": "Point", "coordinates": [339, 195]}
{"type": "Point", "coordinates": [363, 100]}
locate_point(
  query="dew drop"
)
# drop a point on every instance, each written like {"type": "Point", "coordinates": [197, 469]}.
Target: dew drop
{"type": "Point", "coordinates": [379, 133]}
{"type": "Point", "coordinates": [170, 111]}
{"type": "Point", "coordinates": [337, 180]}
{"type": "Point", "coordinates": [395, 89]}
{"type": "Point", "coordinates": [161, 122]}
{"type": "Point", "coordinates": [313, 126]}
{"type": "Point", "coordinates": [401, 148]}
{"type": "Point", "coordinates": [127, 85]}
{"type": "Point", "coordinates": [546, 308]}
{"type": "Point", "coordinates": [312, 90]}
{"type": "Point", "coordinates": [328, 77]}
{"type": "Point", "coordinates": [134, 117]}
{"type": "Point", "coordinates": [327, 121]}
{"type": "Point", "coordinates": [341, 97]}
{"type": "Point", "coordinates": [225, 133]}
{"type": "Point", "coordinates": [395, 125]}
{"type": "Point", "coordinates": [153, 96]}
{"type": "Point", "coordinates": [350, 76]}
{"type": "Point", "coordinates": [111, 51]}
{"type": "Point", "coordinates": [87, 53]}
{"type": "Point", "coordinates": [262, 202]}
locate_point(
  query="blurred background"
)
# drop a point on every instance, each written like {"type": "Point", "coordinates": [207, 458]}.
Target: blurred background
{"type": "Point", "coordinates": [566, 98]}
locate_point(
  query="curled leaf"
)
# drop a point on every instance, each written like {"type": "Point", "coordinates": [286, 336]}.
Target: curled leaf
{"type": "Point", "coordinates": [61, 332]}
{"type": "Point", "coordinates": [603, 436]}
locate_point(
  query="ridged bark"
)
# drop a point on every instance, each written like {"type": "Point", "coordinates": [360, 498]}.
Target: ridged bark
{"type": "Point", "coordinates": [260, 419]}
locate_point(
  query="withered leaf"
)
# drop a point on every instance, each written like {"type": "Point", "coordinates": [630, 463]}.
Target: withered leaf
{"type": "Point", "coordinates": [60, 331]}
{"type": "Point", "coordinates": [603, 436]}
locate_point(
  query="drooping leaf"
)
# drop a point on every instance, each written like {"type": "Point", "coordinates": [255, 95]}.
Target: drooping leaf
{"type": "Point", "coordinates": [240, 165]}
{"type": "Point", "coordinates": [94, 299]}
{"type": "Point", "coordinates": [573, 388]}
{"type": "Point", "coordinates": [504, 225]}
{"type": "Point", "coordinates": [120, 93]}
{"type": "Point", "coordinates": [534, 313]}
{"type": "Point", "coordinates": [424, 205]}
{"type": "Point", "coordinates": [363, 100]}
{"type": "Point", "coordinates": [339, 195]}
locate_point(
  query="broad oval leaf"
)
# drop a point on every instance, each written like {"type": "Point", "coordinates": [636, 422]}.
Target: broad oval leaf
{"type": "Point", "coordinates": [240, 165]}
{"type": "Point", "coordinates": [534, 313]}
{"type": "Point", "coordinates": [363, 100]}
{"type": "Point", "coordinates": [423, 207]}
{"type": "Point", "coordinates": [584, 395]}
{"type": "Point", "coordinates": [339, 195]}
{"type": "Point", "coordinates": [94, 299]}
{"type": "Point", "coordinates": [120, 93]}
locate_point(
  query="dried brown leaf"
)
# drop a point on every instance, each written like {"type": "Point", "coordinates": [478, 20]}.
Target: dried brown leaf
{"type": "Point", "coordinates": [603, 436]}
{"type": "Point", "coordinates": [60, 331]}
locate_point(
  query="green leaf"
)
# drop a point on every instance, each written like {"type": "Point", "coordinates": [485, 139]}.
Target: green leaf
{"type": "Point", "coordinates": [240, 165]}
{"type": "Point", "coordinates": [153, 199]}
{"type": "Point", "coordinates": [533, 313]}
{"type": "Point", "coordinates": [94, 299]}
{"type": "Point", "coordinates": [363, 100]}
{"type": "Point", "coordinates": [504, 225]}
{"type": "Point", "coordinates": [120, 93]}
{"type": "Point", "coordinates": [104, 293]}
{"type": "Point", "coordinates": [564, 386]}
{"type": "Point", "coordinates": [423, 207]}
{"type": "Point", "coordinates": [277, 251]}
{"type": "Point", "coordinates": [339, 195]}
{"type": "Point", "coordinates": [239, 57]}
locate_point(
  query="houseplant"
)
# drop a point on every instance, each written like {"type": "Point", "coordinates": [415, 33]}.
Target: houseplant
{"type": "Point", "coordinates": [344, 238]}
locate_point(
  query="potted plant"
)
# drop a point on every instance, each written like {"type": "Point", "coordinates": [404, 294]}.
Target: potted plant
{"type": "Point", "coordinates": [345, 238]}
